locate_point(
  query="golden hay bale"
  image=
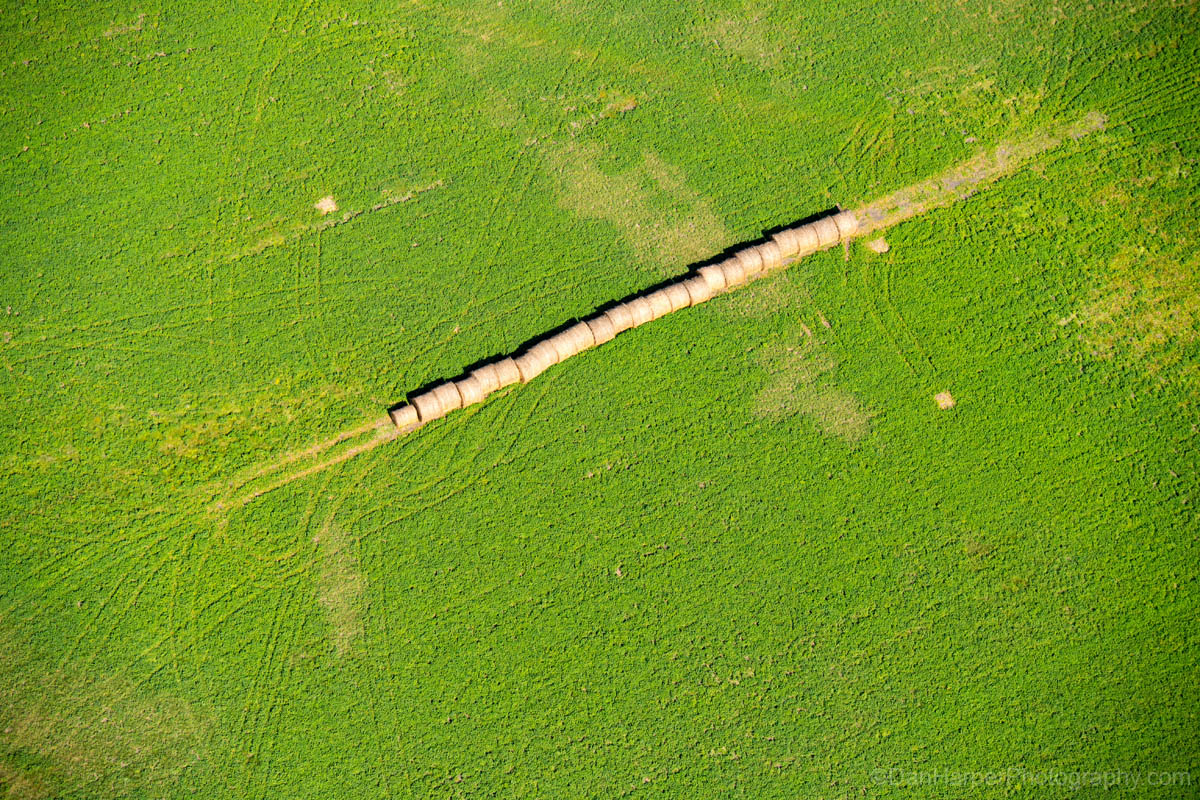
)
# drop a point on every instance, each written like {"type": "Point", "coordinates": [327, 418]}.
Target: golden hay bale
{"type": "Point", "coordinates": [847, 224]}
{"type": "Point", "coordinates": [806, 239]}
{"type": "Point", "coordinates": [470, 390]}
{"type": "Point", "coordinates": [581, 336]}
{"type": "Point", "coordinates": [602, 329]}
{"type": "Point", "coordinates": [489, 379]}
{"type": "Point", "coordinates": [698, 290]}
{"type": "Point", "coordinates": [507, 372]}
{"type": "Point", "coordinates": [535, 362]}
{"type": "Point", "coordinates": [788, 241]}
{"type": "Point", "coordinates": [640, 309]}
{"type": "Point", "coordinates": [734, 272]}
{"type": "Point", "coordinates": [621, 318]}
{"type": "Point", "coordinates": [564, 346]}
{"type": "Point", "coordinates": [527, 367]}
{"type": "Point", "coordinates": [713, 276]}
{"type": "Point", "coordinates": [447, 394]}
{"type": "Point", "coordinates": [771, 255]}
{"type": "Point", "coordinates": [827, 231]}
{"type": "Point", "coordinates": [404, 417]}
{"type": "Point", "coordinates": [677, 293]}
{"type": "Point", "coordinates": [660, 303]}
{"type": "Point", "coordinates": [751, 261]}
{"type": "Point", "coordinates": [545, 351]}
{"type": "Point", "coordinates": [428, 406]}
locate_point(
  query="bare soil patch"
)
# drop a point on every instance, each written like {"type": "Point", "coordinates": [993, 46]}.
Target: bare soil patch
{"type": "Point", "coordinates": [326, 205]}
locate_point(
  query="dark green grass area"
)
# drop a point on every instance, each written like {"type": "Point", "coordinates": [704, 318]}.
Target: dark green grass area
{"type": "Point", "coordinates": [739, 552]}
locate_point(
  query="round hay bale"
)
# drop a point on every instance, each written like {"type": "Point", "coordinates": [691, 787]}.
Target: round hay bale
{"type": "Point", "coordinates": [640, 309]}
{"type": "Point", "coordinates": [660, 303]}
{"type": "Point", "coordinates": [428, 407]}
{"type": "Point", "coordinates": [602, 329]}
{"type": "Point", "coordinates": [404, 417]}
{"type": "Point", "coordinates": [621, 318]}
{"type": "Point", "coordinates": [447, 394]}
{"type": "Point", "coordinates": [489, 379]}
{"type": "Point", "coordinates": [847, 224]}
{"type": "Point", "coordinates": [806, 239]}
{"type": "Point", "coordinates": [677, 293]}
{"type": "Point", "coordinates": [526, 367]}
{"type": "Point", "coordinates": [507, 372]}
{"type": "Point", "coordinates": [771, 255]}
{"type": "Point", "coordinates": [698, 290]}
{"type": "Point", "coordinates": [545, 351]}
{"type": "Point", "coordinates": [827, 231]}
{"type": "Point", "coordinates": [581, 336]}
{"type": "Point", "coordinates": [788, 241]}
{"type": "Point", "coordinates": [563, 344]}
{"type": "Point", "coordinates": [713, 276]}
{"type": "Point", "coordinates": [751, 261]}
{"type": "Point", "coordinates": [533, 364]}
{"type": "Point", "coordinates": [470, 390]}
{"type": "Point", "coordinates": [734, 272]}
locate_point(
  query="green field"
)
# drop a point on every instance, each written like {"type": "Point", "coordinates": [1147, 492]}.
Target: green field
{"type": "Point", "coordinates": [737, 552]}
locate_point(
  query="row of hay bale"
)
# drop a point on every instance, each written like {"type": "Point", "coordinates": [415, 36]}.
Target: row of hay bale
{"type": "Point", "coordinates": [693, 289]}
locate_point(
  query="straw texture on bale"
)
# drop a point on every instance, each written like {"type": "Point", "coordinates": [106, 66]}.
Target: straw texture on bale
{"type": "Point", "coordinates": [640, 309]}
{"type": "Point", "coordinates": [539, 359]}
{"type": "Point", "coordinates": [788, 241]}
{"type": "Point", "coordinates": [847, 224]}
{"type": "Point", "coordinates": [447, 394]}
{"type": "Point", "coordinates": [807, 240]}
{"type": "Point", "coordinates": [507, 372]}
{"type": "Point", "coordinates": [660, 303]}
{"type": "Point", "coordinates": [713, 276]}
{"type": "Point", "coordinates": [564, 346]}
{"type": "Point", "coordinates": [427, 406]}
{"type": "Point", "coordinates": [677, 293]}
{"type": "Point", "coordinates": [621, 318]}
{"type": "Point", "coordinates": [489, 379]}
{"type": "Point", "coordinates": [827, 231]}
{"type": "Point", "coordinates": [581, 336]}
{"type": "Point", "coordinates": [470, 390]}
{"type": "Point", "coordinates": [527, 367]}
{"type": "Point", "coordinates": [751, 261]}
{"type": "Point", "coordinates": [698, 290]}
{"type": "Point", "coordinates": [545, 351]}
{"type": "Point", "coordinates": [771, 255]}
{"type": "Point", "coordinates": [403, 416]}
{"type": "Point", "coordinates": [602, 329]}
{"type": "Point", "coordinates": [538, 363]}
{"type": "Point", "coordinates": [734, 272]}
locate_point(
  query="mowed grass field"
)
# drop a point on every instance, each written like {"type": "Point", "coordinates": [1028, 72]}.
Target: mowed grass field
{"type": "Point", "coordinates": [738, 552]}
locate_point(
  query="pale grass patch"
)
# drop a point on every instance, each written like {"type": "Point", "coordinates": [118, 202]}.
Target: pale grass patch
{"type": "Point", "coordinates": [1147, 309]}
{"type": "Point", "coordinates": [340, 586]}
{"type": "Point", "coordinates": [653, 207]}
{"type": "Point", "coordinates": [800, 383]}
{"type": "Point", "coordinates": [81, 733]}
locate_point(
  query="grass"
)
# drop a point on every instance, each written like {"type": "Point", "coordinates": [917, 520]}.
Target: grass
{"type": "Point", "coordinates": [737, 552]}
